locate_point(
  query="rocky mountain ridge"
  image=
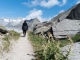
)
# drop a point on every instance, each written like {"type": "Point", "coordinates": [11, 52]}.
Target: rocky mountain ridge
{"type": "Point", "coordinates": [16, 24]}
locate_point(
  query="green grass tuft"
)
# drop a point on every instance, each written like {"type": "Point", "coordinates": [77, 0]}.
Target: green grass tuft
{"type": "Point", "coordinates": [14, 35]}
{"type": "Point", "coordinates": [47, 50]}
{"type": "Point", "coordinates": [76, 38]}
{"type": "Point", "coordinates": [6, 40]}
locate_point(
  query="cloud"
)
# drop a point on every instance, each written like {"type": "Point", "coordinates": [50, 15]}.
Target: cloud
{"type": "Point", "coordinates": [32, 3]}
{"type": "Point", "coordinates": [35, 2]}
{"type": "Point", "coordinates": [36, 13]}
{"type": "Point", "coordinates": [61, 11]}
{"type": "Point", "coordinates": [25, 3]}
{"type": "Point", "coordinates": [49, 3]}
{"type": "Point", "coordinates": [11, 21]}
{"type": "Point", "coordinates": [45, 3]}
{"type": "Point", "coordinates": [78, 1]}
{"type": "Point", "coordinates": [64, 2]}
{"type": "Point", "coordinates": [6, 20]}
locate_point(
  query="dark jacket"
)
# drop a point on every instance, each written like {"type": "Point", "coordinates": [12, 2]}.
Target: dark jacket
{"type": "Point", "coordinates": [24, 26]}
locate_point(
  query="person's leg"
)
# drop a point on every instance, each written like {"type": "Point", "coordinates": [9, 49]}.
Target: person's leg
{"type": "Point", "coordinates": [24, 33]}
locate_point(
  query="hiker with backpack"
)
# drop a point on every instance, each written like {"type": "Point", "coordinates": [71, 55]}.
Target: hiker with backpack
{"type": "Point", "coordinates": [24, 28]}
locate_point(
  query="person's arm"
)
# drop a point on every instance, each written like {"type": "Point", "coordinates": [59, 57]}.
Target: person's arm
{"type": "Point", "coordinates": [27, 26]}
{"type": "Point", "coordinates": [22, 26]}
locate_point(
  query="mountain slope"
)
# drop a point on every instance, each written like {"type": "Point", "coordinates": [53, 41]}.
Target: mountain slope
{"type": "Point", "coordinates": [32, 23]}
{"type": "Point", "coordinates": [72, 13]}
{"type": "Point", "coordinates": [67, 23]}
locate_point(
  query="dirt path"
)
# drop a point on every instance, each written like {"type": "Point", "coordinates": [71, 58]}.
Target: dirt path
{"type": "Point", "coordinates": [21, 50]}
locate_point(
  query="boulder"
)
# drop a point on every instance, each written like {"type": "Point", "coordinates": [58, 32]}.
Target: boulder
{"type": "Point", "coordinates": [67, 23]}
{"type": "Point", "coordinates": [3, 30]}
{"type": "Point", "coordinates": [42, 27]}
{"type": "Point", "coordinates": [32, 23]}
{"type": "Point", "coordinates": [74, 53]}
{"type": "Point", "coordinates": [65, 28]}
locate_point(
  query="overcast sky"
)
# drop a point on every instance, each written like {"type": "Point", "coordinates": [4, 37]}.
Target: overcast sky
{"type": "Point", "coordinates": [42, 9]}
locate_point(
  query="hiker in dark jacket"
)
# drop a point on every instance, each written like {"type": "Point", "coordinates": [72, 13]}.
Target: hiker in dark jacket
{"type": "Point", "coordinates": [24, 28]}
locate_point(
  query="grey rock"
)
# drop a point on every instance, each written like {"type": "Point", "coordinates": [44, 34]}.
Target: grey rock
{"type": "Point", "coordinates": [67, 23]}
{"type": "Point", "coordinates": [42, 27]}
{"type": "Point", "coordinates": [65, 28]}
{"type": "Point", "coordinates": [32, 23]}
{"type": "Point", "coordinates": [3, 30]}
{"type": "Point", "coordinates": [74, 53]}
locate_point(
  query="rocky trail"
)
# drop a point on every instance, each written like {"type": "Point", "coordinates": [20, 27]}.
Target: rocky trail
{"type": "Point", "coordinates": [20, 50]}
